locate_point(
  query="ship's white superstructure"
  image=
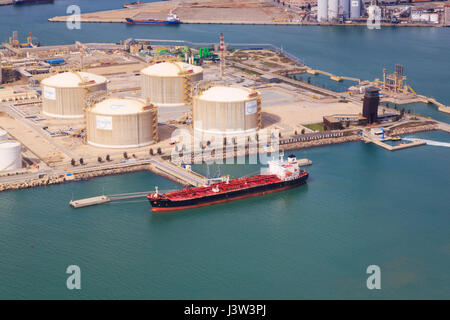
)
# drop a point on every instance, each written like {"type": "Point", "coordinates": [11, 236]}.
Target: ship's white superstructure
{"type": "Point", "coordinates": [285, 170]}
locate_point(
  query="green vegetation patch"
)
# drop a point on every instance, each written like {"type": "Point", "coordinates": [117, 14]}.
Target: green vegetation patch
{"type": "Point", "coordinates": [315, 127]}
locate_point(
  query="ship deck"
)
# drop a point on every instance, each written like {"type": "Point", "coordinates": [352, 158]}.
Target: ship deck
{"type": "Point", "coordinates": [224, 187]}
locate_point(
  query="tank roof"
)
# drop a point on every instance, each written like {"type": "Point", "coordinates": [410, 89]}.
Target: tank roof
{"type": "Point", "coordinates": [9, 144]}
{"type": "Point", "coordinates": [226, 94]}
{"type": "Point", "coordinates": [170, 69]}
{"type": "Point", "coordinates": [72, 79]}
{"type": "Point", "coordinates": [118, 106]}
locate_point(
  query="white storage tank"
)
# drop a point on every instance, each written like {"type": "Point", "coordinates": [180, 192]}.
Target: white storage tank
{"type": "Point", "coordinates": [122, 123]}
{"type": "Point", "coordinates": [333, 10]}
{"type": "Point", "coordinates": [64, 94]}
{"type": "Point", "coordinates": [344, 8]}
{"type": "Point", "coordinates": [322, 10]}
{"type": "Point", "coordinates": [166, 83]}
{"type": "Point", "coordinates": [3, 135]}
{"type": "Point", "coordinates": [355, 9]}
{"type": "Point", "coordinates": [10, 155]}
{"type": "Point", "coordinates": [227, 110]}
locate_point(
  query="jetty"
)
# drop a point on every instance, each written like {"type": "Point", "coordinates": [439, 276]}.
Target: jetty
{"type": "Point", "coordinates": [5, 2]}
{"type": "Point", "coordinates": [171, 170]}
{"type": "Point", "coordinates": [89, 201]}
{"type": "Point", "coordinates": [371, 138]}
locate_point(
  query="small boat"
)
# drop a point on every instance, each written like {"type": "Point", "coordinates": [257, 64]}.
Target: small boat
{"type": "Point", "coordinates": [396, 138]}
{"type": "Point", "coordinates": [24, 2]}
{"type": "Point", "coordinates": [172, 19]}
{"type": "Point", "coordinates": [132, 4]}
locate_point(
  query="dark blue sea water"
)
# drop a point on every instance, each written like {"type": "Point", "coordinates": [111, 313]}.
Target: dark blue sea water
{"type": "Point", "coordinates": [363, 205]}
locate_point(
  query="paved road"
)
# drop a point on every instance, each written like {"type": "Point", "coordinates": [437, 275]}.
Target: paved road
{"type": "Point", "coordinates": [299, 83]}
{"type": "Point", "coordinates": [36, 129]}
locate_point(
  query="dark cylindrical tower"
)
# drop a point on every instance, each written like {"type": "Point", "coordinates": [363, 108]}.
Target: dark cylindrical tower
{"type": "Point", "coordinates": [370, 106]}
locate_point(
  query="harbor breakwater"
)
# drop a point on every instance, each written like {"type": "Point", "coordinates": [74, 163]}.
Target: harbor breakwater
{"type": "Point", "coordinates": [407, 130]}
{"type": "Point", "coordinates": [52, 180]}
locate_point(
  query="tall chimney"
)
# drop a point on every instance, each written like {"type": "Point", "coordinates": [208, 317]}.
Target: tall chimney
{"type": "Point", "coordinates": [222, 56]}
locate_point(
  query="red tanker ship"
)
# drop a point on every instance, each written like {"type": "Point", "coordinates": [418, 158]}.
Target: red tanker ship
{"type": "Point", "coordinates": [281, 175]}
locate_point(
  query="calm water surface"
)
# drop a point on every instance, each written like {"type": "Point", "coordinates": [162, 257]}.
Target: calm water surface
{"type": "Point", "coordinates": [363, 205]}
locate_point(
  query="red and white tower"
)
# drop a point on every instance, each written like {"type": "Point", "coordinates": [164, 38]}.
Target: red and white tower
{"type": "Point", "coordinates": [222, 56]}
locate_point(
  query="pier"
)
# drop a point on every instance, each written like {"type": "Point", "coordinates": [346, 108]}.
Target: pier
{"type": "Point", "coordinates": [181, 175]}
{"type": "Point", "coordinates": [177, 173]}
{"type": "Point", "coordinates": [370, 138]}
{"type": "Point", "coordinates": [89, 202]}
{"type": "Point", "coordinates": [5, 2]}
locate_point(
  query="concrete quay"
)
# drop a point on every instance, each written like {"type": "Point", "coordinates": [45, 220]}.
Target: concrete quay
{"type": "Point", "coordinates": [5, 2]}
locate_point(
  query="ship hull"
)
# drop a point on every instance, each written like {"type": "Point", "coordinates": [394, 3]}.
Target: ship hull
{"type": "Point", "coordinates": [169, 205]}
{"type": "Point", "coordinates": [25, 2]}
{"type": "Point", "coordinates": [151, 22]}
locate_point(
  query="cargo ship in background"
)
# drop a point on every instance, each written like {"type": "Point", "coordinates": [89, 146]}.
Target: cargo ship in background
{"type": "Point", "coordinates": [132, 4]}
{"type": "Point", "coordinates": [281, 175]}
{"type": "Point", "coordinates": [24, 2]}
{"type": "Point", "coordinates": [172, 19]}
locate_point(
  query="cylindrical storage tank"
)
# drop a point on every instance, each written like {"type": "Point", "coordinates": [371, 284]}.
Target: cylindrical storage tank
{"type": "Point", "coordinates": [10, 155]}
{"type": "Point", "coordinates": [355, 9]}
{"type": "Point", "coordinates": [322, 10]}
{"type": "Point", "coordinates": [169, 83]}
{"type": "Point", "coordinates": [122, 123]}
{"type": "Point", "coordinates": [227, 110]}
{"type": "Point", "coordinates": [333, 10]}
{"type": "Point", "coordinates": [64, 95]}
{"type": "Point", "coordinates": [3, 135]}
{"type": "Point", "coordinates": [344, 8]}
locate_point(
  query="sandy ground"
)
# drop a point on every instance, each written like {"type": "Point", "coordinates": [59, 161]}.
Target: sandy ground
{"type": "Point", "coordinates": [200, 11]}
{"type": "Point", "coordinates": [32, 141]}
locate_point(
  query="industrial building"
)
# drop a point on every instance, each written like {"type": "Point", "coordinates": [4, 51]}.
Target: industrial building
{"type": "Point", "coordinates": [65, 94]}
{"type": "Point", "coordinates": [122, 123]}
{"type": "Point", "coordinates": [339, 121]}
{"type": "Point", "coordinates": [370, 104]}
{"type": "Point", "coordinates": [10, 153]}
{"type": "Point", "coordinates": [169, 83]}
{"type": "Point", "coordinates": [227, 110]}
